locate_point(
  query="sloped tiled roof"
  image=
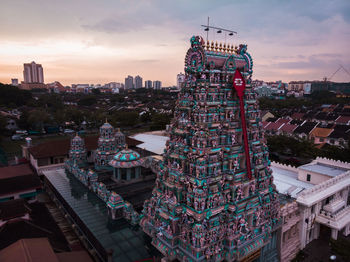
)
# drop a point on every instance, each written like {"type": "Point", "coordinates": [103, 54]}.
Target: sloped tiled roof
{"type": "Point", "coordinates": [297, 115]}
{"type": "Point", "coordinates": [343, 119]}
{"type": "Point", "coordinates": [19, 184]}
{"type": "Point", "coordinates": [283, 120]}
{"type": "Point", "coordinates": [288, 128]}
{"type": "Point", "coordinates": [321, 132]}
{"type": "Point", "coordinates": [273, 126]}
{"type": "Point", "coordinates": [296, 122]}
{"type": "Point", "coordinates": [35, 249]}
{"type": "Point", "coordinates": [305, 128]}
{"type": "Point", "coordinates": [13, 171]}
{"type": "Point", "coordinates": [13, 208]}
{"type": "Point", "coordinates": [61, 147]}
{"type": "Point", "coordinates": [340, 131]}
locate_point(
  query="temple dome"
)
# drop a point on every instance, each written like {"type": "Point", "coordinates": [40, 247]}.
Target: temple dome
{"type": "Point", "coordinates": [106, 126]}
{"type": "Point", "coordinates": [77, 139]}
{"type": "Point", "coordinates": [126, 155]}
{"type": "Point", "coordinates": [126, 158]}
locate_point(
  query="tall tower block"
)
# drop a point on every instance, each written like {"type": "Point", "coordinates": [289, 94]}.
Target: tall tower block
{"type": "Point", "coordinates": [207, 206]}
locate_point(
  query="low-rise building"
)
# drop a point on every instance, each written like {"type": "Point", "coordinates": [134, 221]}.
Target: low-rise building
{"type": "Point", "coordinates": [318, 195]}
{"type": "Point", "coordinates": [18, 182]}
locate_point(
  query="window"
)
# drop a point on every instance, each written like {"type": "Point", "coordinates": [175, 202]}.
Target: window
{"type": "Point", "coordinates": [308, 177]}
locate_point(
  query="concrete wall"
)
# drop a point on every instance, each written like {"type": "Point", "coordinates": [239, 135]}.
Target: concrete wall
{"type": "Point", "coordinates": [316, 178]}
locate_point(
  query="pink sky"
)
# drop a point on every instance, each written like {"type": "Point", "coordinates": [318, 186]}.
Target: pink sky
{"type": "Point", "coordinates": [86, 41]}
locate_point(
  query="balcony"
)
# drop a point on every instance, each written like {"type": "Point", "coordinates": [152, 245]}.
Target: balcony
{"type": "Point", "coordinates": [335, 205]}
{"type": "Point", "coordinates": [337, 220]}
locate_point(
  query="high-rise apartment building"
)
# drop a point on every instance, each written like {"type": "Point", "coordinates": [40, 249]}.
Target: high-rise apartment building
{"type": "Point", "coordinates": [157, 85]}
{"type": "Point", "coordinates": [138, 81]}
{"type": "Point", "coordinates": [180, 79]}
{"type": "Point", "coordinates": [129, 82]}
{"type": "Point", "coordinates": [148, 84]}
{"type": "Point", "coordinates": [33, 73]}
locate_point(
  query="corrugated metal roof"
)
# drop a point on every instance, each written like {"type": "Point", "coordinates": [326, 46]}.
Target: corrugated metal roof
{"type": "Point", "coordinates": [152, 143]}
{"type": "Point", "coordinates": [287, 182]}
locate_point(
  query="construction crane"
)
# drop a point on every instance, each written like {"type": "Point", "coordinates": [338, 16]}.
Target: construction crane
{"type": "Point", "coordinates": [340, 67]}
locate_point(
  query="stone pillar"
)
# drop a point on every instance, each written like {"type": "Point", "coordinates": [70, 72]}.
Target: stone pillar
{"type": "Point", "coordinates": [137, 172]}
{"type": "Point", "coordinates": [334, 234]}
{"type": "Point", "coordinates": [303, 226]}
{"type": "Point", "coordinates": [316, 231]}
{"type": "Point", "coordinates": [128, 174]}
{"type": "Point", "coordinates": [346, 230]}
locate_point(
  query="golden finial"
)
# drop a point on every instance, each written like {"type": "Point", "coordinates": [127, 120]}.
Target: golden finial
{"type": "Point", "coordinates": [224, 48]}
{"type": "Point", "coordinates": [231, 48]}
{"type": "Point", "coordinates": [216, 46]}
{"type": "Point", "coordinates": [220, 47]}
{"type": "Point", "coordinates": [212, 46]}
{"type": "Point", "coordinates": [208, 45]}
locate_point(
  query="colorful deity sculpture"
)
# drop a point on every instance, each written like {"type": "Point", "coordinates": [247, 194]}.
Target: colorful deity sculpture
{"type": "Point", "coordinates": [212, 202]}
{"type": "Point", "coordinates": [77, 152]}
{"type": "Point", "coordinates": [119, 139]}
{"type": "Point", "coordinates": [106, 147]}
{"type": "Point", "coordinates": [115, 205]}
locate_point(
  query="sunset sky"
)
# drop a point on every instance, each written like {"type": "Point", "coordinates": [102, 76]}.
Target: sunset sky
{"type": "Point", "coordinates": [91, 41]}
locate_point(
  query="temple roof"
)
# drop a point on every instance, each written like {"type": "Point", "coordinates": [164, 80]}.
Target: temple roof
{"type": "Point", "coordinates": [126, 155]}
{"type": "Point", "coordinates": [106, 126]}
{"type": "Point", "coordinates": [61, 147]}
{"type": "Point", "coordinates": [126, 158]}
{"type": "Point", "coordinates": [77, 138]}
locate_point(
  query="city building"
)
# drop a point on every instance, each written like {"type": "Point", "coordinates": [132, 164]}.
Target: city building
{"type": "Point", "coordinates": [18, 182]}
{"type": "Point", "coordinates": [180, 78]}
{"type": "Point", "coordinates": [157, 85]}
{"type": "Point", "coordinates": [129, 82]}
{"type": "Point", "coordinates": [14, 81]}
{"type": "Point", "coordinates": [56, 87]}
{"type": "Point", "coordinates": [138, 82]}
{"type": "Point", "coordinates": [148, 84]}
{"type": "Point", "coordinates": [33, 73]}
{"type": "Point", "coordinates": [318, 202]}
{"type": "Point", "coordinates": [213, 200]}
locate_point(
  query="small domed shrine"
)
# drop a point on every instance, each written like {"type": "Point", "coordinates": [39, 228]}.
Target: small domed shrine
{"type": "Point", "coordinates": [126, 165]}
{"type": "Point", "coordinates": [77, 152]}
{"type": "Point", "coordinates": [106, 146]}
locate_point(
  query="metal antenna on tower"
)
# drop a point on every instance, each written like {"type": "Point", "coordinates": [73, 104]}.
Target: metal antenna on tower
{"type": "Point", "coordinates": [219, 30]}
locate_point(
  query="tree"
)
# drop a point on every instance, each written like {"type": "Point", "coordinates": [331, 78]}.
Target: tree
{"type": "Point", "coordinates": [13, 96]}
{"type": "Point", "coordinates": [159, 121]}
{"type": "Point", "coordinates": [125, 119]}
{"type": "Point", "coordinates": [37, 118]}
{"type": "Point", "coordinates": [96, 91]}
{"type": "Point", "coordinates": [88, 100]}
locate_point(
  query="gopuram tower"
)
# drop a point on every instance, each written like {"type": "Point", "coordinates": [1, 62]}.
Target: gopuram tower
{"type": "Point", "coordinates": [214, 197]}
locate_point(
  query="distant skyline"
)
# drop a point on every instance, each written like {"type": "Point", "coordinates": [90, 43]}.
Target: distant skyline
{"type": "Point", "coordinates": [88, 41]}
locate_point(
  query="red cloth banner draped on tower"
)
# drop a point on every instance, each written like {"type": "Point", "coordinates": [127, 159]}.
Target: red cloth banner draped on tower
{"type": "Point", "coordinates": [239, 85]}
